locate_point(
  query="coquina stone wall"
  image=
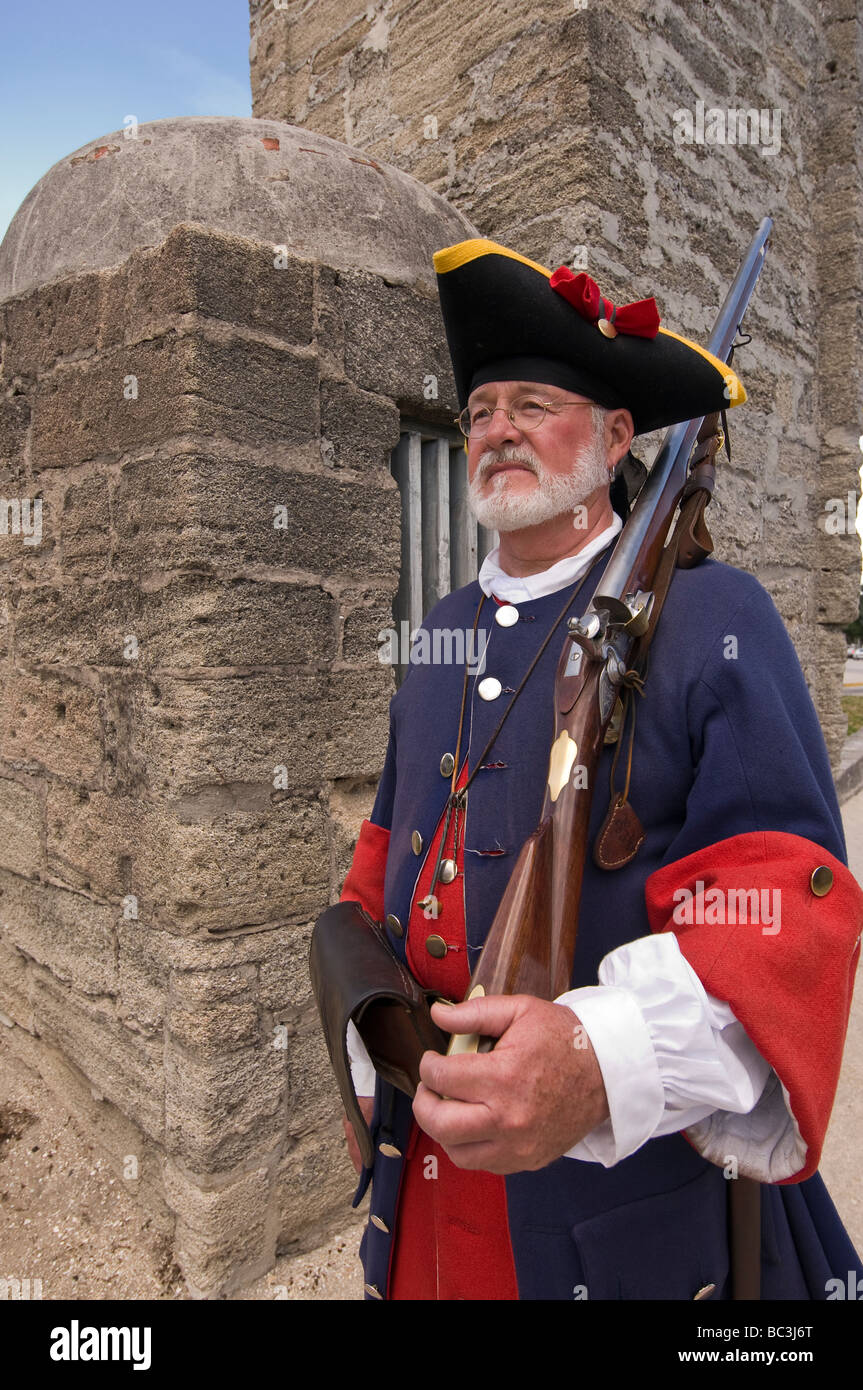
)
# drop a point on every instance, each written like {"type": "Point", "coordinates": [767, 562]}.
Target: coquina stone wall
{"type": "Point", "coordinates": [201, 386]}
{"type": "Point", "coordinates": [580, 132]}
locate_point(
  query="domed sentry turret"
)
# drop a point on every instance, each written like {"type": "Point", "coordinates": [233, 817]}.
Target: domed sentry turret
{"type": "Point", "coordinates": [214, 333]}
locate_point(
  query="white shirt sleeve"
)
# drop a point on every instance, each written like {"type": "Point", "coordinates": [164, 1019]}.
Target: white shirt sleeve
{"type": "Point", "coordinates": [362, 1069]}
{"type": "Point", "coordinates": [674, 1058]}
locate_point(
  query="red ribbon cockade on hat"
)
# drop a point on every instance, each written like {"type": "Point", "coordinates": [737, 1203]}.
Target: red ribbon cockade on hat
{"type": "Point", "coordinates": [640, 319]}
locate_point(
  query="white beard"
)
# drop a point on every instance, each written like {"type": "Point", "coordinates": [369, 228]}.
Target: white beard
{"type": "Point", "coordinates": [507, 510]}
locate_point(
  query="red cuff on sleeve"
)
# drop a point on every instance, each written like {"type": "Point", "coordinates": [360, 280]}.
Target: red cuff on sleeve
{"type": "Point", "coordinates": [757, 935]}
{"type": "Point", "coordinates": [365, 881]}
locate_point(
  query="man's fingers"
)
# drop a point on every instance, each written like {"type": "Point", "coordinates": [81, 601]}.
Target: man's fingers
{"type": "Point", "coordinates": [452, 1122]}
{"type": "Point", "coordinates": [490, 1016]}
{"type": "Point", "coordinates": [465, 1077]}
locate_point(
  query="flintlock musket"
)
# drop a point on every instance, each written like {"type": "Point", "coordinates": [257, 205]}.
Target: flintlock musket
{"type": "Point", "coordinates": [530, 946]}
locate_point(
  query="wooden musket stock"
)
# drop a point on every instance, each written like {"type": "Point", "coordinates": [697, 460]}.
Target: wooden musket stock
{"type": "Point", "coordinates": [530, 946]}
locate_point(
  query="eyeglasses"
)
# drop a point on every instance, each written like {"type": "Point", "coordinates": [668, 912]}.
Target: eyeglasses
{"type": "Point", "coordinates": [527, 413]}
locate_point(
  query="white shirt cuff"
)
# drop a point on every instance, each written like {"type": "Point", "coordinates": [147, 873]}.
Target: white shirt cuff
{"type": "Point", "coordinates": [671, 1055]}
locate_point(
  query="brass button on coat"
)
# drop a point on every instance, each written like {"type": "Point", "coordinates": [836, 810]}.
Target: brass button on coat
{"type": "Point", "coordinates": [417, 842]}
{"type": "Point", "coordinates": [381, 1225]}
{"type": "Point", "coordinates": [395, 925]}
{"type": "Point", "coordinates": [436, 946]}
{"type": "Point", "coordinates": [447, 763]}
{"type": "Point", "coordinates": [390, 1151]}
{"type": "Point", "coordinates": [506, 615]}
{"type": "Point", "coordinates": [490, 688]}
{"type": "Point", "coordinates": [448, 870]}
{"type": "Point", "coordinates": [373, 1290]}
{"type": "Point", "coordinates": [821, 881]}
{"type": "Point", "coordinates": [704, 1292]}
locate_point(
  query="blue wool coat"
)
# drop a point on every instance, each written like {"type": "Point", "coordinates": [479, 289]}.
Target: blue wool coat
{"type": "Point", "coordinates": [727, 743]}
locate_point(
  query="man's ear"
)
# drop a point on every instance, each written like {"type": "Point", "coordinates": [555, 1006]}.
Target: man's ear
{"type": "Point", "coordinates": [619, 434]}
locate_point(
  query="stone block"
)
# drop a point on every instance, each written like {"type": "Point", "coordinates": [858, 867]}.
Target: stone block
{"type": "Point", "coordinates": [51, 723]}
{"type": "Point", "coordinates": [69, 934]}
{"type": "Point", "coordinates": [28, 540]}
{"type": "Point", "coordinates": [394, 344]}
{"type": "Point", "coordinates": [194, 989]}
{"type": "Point", "coordinates": [225, 1235]}
{"type": "Point", "coordinates": [366, 615]}
{"type": "Point", "coordinates": [190, 621]}
{"type": "Point", "coordinates": [223, 1110]}
{"type": "Point", "coordinates": [271, 391]}
{"type": "Point", "coordinates": [313, 1096]}
{"type": "Point", "coordinates": [61, 319]}
{"type": "Point", "coordinates": [97, 841]}
{"type": "Point", "coordinates": [201, 270]}
{"type": "Point", "coordinates": [142, 976]}
{"type": "Point", "coordinates": [14, 424]}
{"type": "Point", "coordinates": [208, 733]}
{"type": "Point", "coordinates": [105, 406]}
{"type": "Point", "coordinates": [85, 529]}
{"type": "Point", "coordinates": [216, 512]}
{"type": "Point", "coordinates": [211, 1032]}
{"type": "Point", "coordinates": [22, 822]}
{"type": "Point", "coordinates": [125, 1067]}
{"type": "Point", "coordinates": [85, 624]}
{"type": "Point", "coordinates": [315, 1182]}
{"type": "Point", "coordinates": [349, 804]}
{"type": "Point", "coordinates": [229, 872]}
{"type": "Point", "coordinates": [358, 429]}
{"type": "Point", "coordinates": [15, 1002]}
{"type": "Point", "coordinates": [237, 281]}
{"type": "Point", "coordinates": [329, 326]}
{"type": "Point", "coordinates": [284, 987]}
{"type": "Point", "coordinates": [152, 391]}
{"type": "Point", "coordinates": [838, 589]}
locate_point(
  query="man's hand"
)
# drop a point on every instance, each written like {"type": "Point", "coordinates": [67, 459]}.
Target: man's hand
{"type": "Point", "coordinates": [367, 1105]}
{"type": "Point", "coordinates": [525, 1103]}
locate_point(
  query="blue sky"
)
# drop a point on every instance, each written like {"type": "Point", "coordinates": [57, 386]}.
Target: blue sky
{"type": "Point", "coordinates": [72, 72]}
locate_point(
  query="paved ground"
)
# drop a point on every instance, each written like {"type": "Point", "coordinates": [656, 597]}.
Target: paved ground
{"type": "Point", "coordinates": [840, 1164]}
{"type": "Point", "coordinates": [853, 678]}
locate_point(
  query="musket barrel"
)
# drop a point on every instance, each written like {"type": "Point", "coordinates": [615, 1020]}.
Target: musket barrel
{"type": "Point", "coordinates": [670, 463]}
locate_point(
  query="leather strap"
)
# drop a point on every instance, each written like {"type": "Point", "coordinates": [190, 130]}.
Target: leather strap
{"type": "Point", "coordinates": [745, 1239]}
{"type": "Point", "coordinates": [357, 976]}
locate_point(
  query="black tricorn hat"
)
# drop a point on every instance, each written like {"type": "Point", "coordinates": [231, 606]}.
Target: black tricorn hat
{"type": "Point", "coordinates": [509, 319]}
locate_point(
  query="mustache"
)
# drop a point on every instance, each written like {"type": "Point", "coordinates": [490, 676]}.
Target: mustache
{"type": "Point", "coordinates": [512, 453]}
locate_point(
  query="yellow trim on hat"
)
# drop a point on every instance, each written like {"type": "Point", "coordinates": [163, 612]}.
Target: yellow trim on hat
{"type": "Point", "coordinates": [451, 257]}
{"type": "Point", "coordinates": [736, 389]}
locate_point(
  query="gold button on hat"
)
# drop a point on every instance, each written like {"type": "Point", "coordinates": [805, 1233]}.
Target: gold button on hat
{"type": "Point", "coordinates": [417, 842]}
{"type": "Point", "coordinates": [436, 946]}
{"type": "Point", "coordinates": [821, 881]}
{"type": "Point", "coordinates": [447, 763]}
{"type": "Point", "coordinates": [506, 615]}
{"type": "Point", "coordinates": [490, 688]}
{"type": "Point", "coordinates": [395, 925]}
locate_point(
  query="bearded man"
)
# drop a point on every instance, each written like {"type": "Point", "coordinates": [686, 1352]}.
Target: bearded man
{"type": "Point", "coordinates": [556, 1165]}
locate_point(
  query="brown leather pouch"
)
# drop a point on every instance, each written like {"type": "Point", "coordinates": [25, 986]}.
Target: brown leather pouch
{"type": "Point", "coordinates": [356, 975]}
